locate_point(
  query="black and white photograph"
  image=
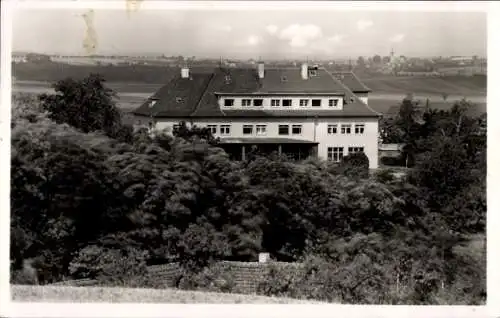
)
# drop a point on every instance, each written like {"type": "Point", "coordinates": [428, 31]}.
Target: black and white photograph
{"type": "Point", "coordinates": [248, 154]}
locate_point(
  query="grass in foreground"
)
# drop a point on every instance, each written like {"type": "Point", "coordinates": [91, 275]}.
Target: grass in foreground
{"type": "Point", "coordinates": [22, 293]}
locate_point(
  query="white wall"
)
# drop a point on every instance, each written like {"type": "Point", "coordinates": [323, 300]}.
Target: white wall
{"type": "Point", "coordinates": [295, 102]}
{"type": "Point", "coordinates": [363, 97]}
{"type": "Point", "coordinates": [310, 131]}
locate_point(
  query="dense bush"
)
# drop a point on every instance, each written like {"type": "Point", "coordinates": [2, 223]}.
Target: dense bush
{"type": "Point", "coordinates": [87, 203]}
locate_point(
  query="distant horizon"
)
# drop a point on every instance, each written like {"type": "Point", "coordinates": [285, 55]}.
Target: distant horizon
{"type": "Point", "coordinates": [251, 34]}
{"type": "Point", "coordinates": [151, 54]}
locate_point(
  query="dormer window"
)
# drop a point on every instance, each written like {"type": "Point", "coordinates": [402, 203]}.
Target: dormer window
{"type": "Point", "coordinates": [179, 99]}
{"type": "Point", "coordinates": [228, 102]}
{"type": "Point", "coordinates": [227, 79]}
{"type": "Point", "coordinates": [152, 103]}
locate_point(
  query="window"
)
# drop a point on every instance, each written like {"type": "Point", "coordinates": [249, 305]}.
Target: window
{"type": "Point", "coordinates": [316, 103]}
{"type": "Point", "coordinates": [212, 128]}
{"type": "Point", "coordinates": [359, 128]}
{"type": "Point", "coordinates": [247, 129]}
{"type": "Point", "coordinates": [333, 102]}
{"type": "Point", "coordinates": [304, 102]}
{"type": "Point", "coordinates": [260, 129]}
{"type": "Point", "coordinates": [275, 102]}
{"type": "Point", "coordinates": [332, 129]}
{"type": "Point", "coordinates": [345, 129]}
{"type": "Point", "coordinates": [283, 130]}
{"type": "Point", "coordinates": [246, 102]}
{"type": "Point", "coordinates": [313, 72]}
{"type": "Point", "coordinates": [335, 154]}
{"type": "Point", "coordinates": [296, 129]}
{"type": "Point", "coordinates": [352, 150]}
{"type": "Point", "coordinates": [228, 102]}
{"type": "Point", "coordinates": [225, 129]}
{"type": "Point", "coordinates": [258, 102]}
{"type": "Point", "coordinates": [176, 127]}
{"type": "Point", "coordinates": [227, 79]}
{"type": "Point", "coordinates": [179, 99]}
{"type": "Point", "coordinates": [287, 102]}
{"type": "Point", "coordinates": [283, 78]}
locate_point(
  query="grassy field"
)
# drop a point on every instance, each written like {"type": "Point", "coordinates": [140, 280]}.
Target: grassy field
{"type": "Point", "coordinates": [137, 295]}
{"type": "Point", "coordinates": [451, 85]}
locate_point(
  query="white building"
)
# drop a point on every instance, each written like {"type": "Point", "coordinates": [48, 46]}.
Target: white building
{"type": "Point", "coordinates": [300, 112]}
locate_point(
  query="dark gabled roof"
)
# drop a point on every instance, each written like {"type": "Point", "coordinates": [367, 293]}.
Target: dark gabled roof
{"type": "Point", "coordinates": [290, 81]}
{"type": "Point", "coordinates": [254, 140]}
{"type": "Point", "coordinates": [199, 94]}
{"type": "Point", "coordinates": [178, 98]}
{"type": "Point", "coordinates": [351, 81]}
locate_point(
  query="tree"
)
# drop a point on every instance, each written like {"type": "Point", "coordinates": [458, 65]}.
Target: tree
{"type": "Point", "coordinates": [377, 59]}
{"type": "Point", "coordinates": [361, 62]}
{"type": "Point", "coordinates": [85, 104]}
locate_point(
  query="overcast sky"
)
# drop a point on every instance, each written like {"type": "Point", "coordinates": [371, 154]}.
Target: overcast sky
{"type": "Point", "coordinates": [250, 34]}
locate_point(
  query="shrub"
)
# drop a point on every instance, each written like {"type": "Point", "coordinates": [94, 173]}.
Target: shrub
{"type": "Point", "coordinates": [356, 165]}
{"type": "Point", "coordinates": [110, 266]}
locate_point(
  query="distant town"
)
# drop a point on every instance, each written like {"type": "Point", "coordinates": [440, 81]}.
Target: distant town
{"type": "Point", "coordinates": [391, 63]}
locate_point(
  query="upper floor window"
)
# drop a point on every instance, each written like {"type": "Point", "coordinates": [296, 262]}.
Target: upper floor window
{"type": "Point", "coordinates": [304, 102]}
{"type": "Point", "coordinates": [352, 150]}
{"type": "Point", "coordinates": [296, 129]}
{"type": "Point", "coordinates": [275, 102]}
{"type": "Point", "coordinates": [333, 102]}
{"type": "Point", "coordinates": [316, 102]}
{"type": "Point", "coordinates": [345, 129]}
{"type": "Point", "coordinates": [258, 102]}
{"type": "Point", "coordinates": [227, 79]}
{"type": "Point", "coordinates": [225, 129]}
{"type": "Point", "coordinates": [335, 154]}
{"type": "Point", "coordinates": [260, 129]}
{"type": "Point", "coordinates": [283, 130]}
{"type": "Point", "coordinates": [332, 129]}
{"type": "Point", "coordinates": [212, 128]}
{"type": "Point", "coordinates": [287, 102]}
{"type": "Point", "coordinates": [247, 129]}
{"type": "Point", "coordinates": [359, 128]}
{"type": "Point", "coordinates": [246, 102]}
{"type": "Point", "coordinates": [228, 102]}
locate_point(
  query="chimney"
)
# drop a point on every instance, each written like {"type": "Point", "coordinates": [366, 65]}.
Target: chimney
{"type": "Point", "coordinates": [185, 72]}
{"type": "Point", "coordinates": [304, 71]}
{"type": "Point", "coordinates": [260, 69]}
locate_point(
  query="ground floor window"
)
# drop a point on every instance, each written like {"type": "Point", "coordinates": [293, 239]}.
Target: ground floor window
{"type": "Point", "coordinates": [247, 129]}
{"type": "Point", "coordinates": [335, 154]}
{"type": "Point", "coordinates": [283, 130]}
{"type": "Point", "coordinates": [212, 128]}
{"type": "Point", "coordinates": [352, 150]}
{"type": "Point", "coordinates": [296, 129]}
{"type": "Point", "coordinates": [260, 129]}
{"type": "Point", "coordinates": [225, 129]}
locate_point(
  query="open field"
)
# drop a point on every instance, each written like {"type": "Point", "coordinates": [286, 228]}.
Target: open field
{"type": "Point", "coordinates": [131, 95]}
{"type": "Point", "coordinates": [451, 85]}
{"type": "Point", "coordinates": [26, 293]}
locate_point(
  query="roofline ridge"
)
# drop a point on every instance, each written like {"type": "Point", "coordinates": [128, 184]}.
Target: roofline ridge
{"type": "Point", "coordinates": [354, 95]}
{"type": "Point", "coordinates": [356, 77]}
{"type": "Point", "coordinates": [196, 108]}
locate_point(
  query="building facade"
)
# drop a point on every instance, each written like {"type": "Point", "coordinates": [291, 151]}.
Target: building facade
{"type": "Point", "coordinates": [300, 112]}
